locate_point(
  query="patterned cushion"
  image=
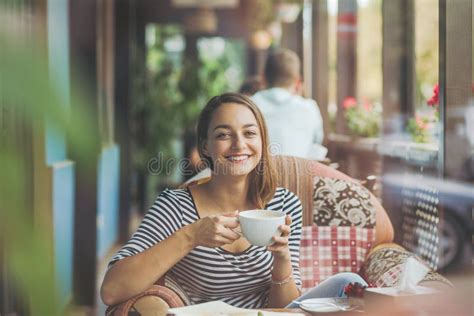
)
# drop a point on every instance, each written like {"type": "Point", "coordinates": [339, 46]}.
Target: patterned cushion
{"type": "Point", "coordinates": [342, 203]}
{"type": "Point", "coordinates": [383, 266]}
{"type": "Point", "coordinates": [342, 233]}
{"type": "Point", "coordinates": [325, 251]}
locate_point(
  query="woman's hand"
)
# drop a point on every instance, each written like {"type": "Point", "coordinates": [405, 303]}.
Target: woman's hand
{"type": "Point", "coordinates": [280, 248]}
{"type": "Point", "coordinates": [216, 231]}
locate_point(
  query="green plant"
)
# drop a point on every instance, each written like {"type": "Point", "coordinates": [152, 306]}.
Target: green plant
{"type": "Point", "coordinates": [419, 128]}
{"type": "Point", "coordinates": [156, 95]}
{"type": "Point", "coordinates": [168, 95]}
{"type": "Point", "coordinates": [362, 119]}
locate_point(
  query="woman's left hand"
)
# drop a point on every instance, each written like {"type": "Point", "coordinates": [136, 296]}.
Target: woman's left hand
{"type": "Point", "coordinates": [280, 247]}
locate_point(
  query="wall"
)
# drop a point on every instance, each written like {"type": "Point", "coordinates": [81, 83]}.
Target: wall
{"type": "Point", "coordinates": [107, 195]}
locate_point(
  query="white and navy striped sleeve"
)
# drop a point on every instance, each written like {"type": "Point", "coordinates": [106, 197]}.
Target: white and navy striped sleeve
{"type": "Point", "coordinates": [162, 220]}
{"type": "Point", "coordinates": [292, 206]}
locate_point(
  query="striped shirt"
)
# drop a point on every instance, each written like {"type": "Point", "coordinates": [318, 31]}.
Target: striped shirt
{"type": "Point", "coordinates": [207, 274]}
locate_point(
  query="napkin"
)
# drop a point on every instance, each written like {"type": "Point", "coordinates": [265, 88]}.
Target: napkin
{"type": "Point", "coordinates": [413, 271]}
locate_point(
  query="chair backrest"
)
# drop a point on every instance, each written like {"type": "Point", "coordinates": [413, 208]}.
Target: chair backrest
{"type": "Point", "coordinates": [338, 218]}
{"type": "Point", "coordinates": [297, 175]}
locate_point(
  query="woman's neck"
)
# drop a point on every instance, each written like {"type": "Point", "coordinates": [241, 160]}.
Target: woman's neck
{"type": "Point", "coordinates": [229, 192]}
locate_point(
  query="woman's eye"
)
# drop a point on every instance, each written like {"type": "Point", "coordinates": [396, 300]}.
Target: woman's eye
{"type": "Point", "coordinates": [222, 135]}
{"type": "Point", "coordinates": [251, 133]}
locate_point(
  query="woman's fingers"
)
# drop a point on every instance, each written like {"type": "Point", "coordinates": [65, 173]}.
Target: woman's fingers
{"type": "Point", "coordinates": [282, 241]}
{"type": "Point", "coordinates": [221, 240]}
{"type": "Point", "coordinates": [233, 214]}
{"type": "Point", "coordinates": [285, 230]}
{"type": "Point", "coordinates": [228, 233]}
{"type": "Point", "coordinates": [228, 220]}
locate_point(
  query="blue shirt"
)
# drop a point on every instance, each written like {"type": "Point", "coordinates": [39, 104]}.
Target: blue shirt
{"type": "Point", "coordinates": [294, 123]}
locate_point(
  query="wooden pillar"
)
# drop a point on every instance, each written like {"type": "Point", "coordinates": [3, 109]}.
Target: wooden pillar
{"type": "Point", "coordinates": [398, 61]}
{"type": "Point", "coordinates": [307, 46]}
{"type": "Point", "coordinates": [256, 59]}
{"type": "Point", "coordinates": [191, 51]}
{"type": "Point", "coordinates": [292, 36]}
{"type": "Point", "coordinates": [124, 17]}
{"type": "Point", "coordinates": [456, 79]}
{"type": "Point", "coordinates": [346, 58]}
{"type": "Point", "coordinates": [83, 26]}
{"type": "Point", "coordinates": [139, 67]}
{"type": "Point", "coordinates": [320, 69]}
{"type": "Point", "coordinates": [398, 99]}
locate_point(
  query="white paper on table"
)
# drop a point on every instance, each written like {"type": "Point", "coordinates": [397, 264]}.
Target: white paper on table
{"type": "Point", "coordinates": [392, 291]}
{"type": "Point", "coordinates": [218, 308]}
{"type": "Point", "coordinates": [413, 271]}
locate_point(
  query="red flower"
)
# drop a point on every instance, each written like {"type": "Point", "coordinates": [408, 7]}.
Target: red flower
{"type": "Point", "coordinates": [434, 100]}
{"type": "Point", "coordinates": [354, 289]}
{"type": "Point", "coordinates": [349, 102]}
{"type": "Point", "coordinates": [367, 105]}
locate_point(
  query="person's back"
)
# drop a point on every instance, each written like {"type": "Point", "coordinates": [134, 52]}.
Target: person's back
{"type": "Point", "coordinates": [294, 123]}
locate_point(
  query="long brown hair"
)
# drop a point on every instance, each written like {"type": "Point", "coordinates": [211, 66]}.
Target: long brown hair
{"type": "Point", "coordinates": [262, 177]}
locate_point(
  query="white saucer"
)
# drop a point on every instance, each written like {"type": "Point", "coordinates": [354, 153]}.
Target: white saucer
{"type": "Point", "coordinates": [324, 305]}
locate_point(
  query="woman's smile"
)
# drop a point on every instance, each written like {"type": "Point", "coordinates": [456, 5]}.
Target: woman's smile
{"type": "Point", "coordinates": [238, 158]}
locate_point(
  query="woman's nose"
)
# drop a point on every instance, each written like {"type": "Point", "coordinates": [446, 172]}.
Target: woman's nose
{"type": "Point", "coordinates": [237, 142]}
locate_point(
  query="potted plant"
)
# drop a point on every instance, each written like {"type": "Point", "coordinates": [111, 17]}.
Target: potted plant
{"type": "Point", "coordinates": [363, 118]}
{"type": "Point", "coordinates": [423, 127]}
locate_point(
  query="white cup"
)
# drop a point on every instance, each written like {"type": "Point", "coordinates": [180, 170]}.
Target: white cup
{"type": "Point", "coordinates": [259, 226]}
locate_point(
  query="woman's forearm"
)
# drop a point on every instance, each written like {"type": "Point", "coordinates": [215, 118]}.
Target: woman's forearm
{"type": "Point", "coordinates": [132, 275]}
{"type": "Point", "coordinates": [282, 294]}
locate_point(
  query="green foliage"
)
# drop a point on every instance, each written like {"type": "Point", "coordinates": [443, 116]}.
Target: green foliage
{"type": "Point", "coordinates": [417, 131]}
{"type": "Point", "coordinates": [422, 127]}
{"type": "Point", "coordinates": [155, 95]}
{"type": "Point", "coordinates": [170, 94]}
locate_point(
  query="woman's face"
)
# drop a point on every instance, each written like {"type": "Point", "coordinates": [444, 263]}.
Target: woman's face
{"type": "Point", "coordinates": [234, 142]}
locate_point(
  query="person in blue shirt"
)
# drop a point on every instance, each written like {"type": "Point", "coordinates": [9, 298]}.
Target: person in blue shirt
{"type": "Point", "coordinates": [295, 125]}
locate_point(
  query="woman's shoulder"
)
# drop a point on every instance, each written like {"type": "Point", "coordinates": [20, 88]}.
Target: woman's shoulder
{"type": "Point", "coordinates": [286, 201]}
{"type": "Point", "coordinates": [173, 195]}
{"type": "Point", "coordinates": [284, 194]}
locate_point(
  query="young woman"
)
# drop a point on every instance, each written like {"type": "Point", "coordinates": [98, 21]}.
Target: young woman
{"type": "Point", "coordinates": [192, 235]}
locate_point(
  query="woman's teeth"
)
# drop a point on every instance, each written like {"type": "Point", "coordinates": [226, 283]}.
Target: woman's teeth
{"type": "Point", "coordinates": [237, 158]}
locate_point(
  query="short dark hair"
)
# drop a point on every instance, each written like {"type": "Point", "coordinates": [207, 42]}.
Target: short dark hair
{"type": "Point", "coordinates": [282, 68]}
{"type": "Point", "coordinates": [263, 178]}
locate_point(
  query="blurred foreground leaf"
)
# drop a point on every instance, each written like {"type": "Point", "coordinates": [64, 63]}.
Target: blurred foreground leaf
{"type": "Point", "coordinates": [27, 91]}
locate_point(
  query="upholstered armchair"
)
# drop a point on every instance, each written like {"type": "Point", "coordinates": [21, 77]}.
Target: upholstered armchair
{"type": "Point", "coordinates": [345, 228]}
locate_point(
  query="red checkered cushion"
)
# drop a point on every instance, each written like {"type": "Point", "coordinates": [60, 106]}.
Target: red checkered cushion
{"type": "Point", "coordinates": [327, 250]}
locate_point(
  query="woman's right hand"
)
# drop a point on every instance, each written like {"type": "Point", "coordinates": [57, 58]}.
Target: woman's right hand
{"type": "Point", "coordinates": [216, 231]}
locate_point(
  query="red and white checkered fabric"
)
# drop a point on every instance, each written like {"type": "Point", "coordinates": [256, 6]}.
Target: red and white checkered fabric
{"type": "Point", "coordinates": [327, 250]}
